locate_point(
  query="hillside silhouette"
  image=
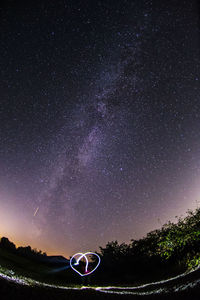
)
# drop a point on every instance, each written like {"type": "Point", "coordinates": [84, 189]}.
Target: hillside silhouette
{"type": "Point", "coordinates": [161, 254]}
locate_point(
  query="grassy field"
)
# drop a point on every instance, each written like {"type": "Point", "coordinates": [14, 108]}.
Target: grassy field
{"type": "Point", "coordinates": [21, 266]}
{"type": "Point", "coordinates": [10, 290]}
{"type": "Point", "coordinates": [22, 278]}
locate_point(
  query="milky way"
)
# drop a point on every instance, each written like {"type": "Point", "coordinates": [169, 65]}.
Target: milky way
{"type": "Point", "coordinates": [100, 120]}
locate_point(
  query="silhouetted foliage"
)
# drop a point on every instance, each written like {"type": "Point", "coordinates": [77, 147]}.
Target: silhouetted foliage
{"type": "Point", "coordinates": [169, 251]}
{"type": "Point", "coordinates": [173, 249]}
{"type": "Point", "coordinates": [23, 251]}
{"type": "Point", "coordinates": [6, 244]}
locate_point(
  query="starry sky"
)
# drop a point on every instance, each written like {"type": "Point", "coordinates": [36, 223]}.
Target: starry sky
{"type": "Point", "coordinates": [99, 120]}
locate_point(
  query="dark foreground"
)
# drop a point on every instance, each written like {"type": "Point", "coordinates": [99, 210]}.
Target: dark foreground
{"type": "Point", "coordinates": [10, 290]}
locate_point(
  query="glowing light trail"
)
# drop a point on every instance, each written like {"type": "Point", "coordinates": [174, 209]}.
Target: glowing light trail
{"type": "Point", "coordinates": [36, 211]}
{"type": "Point", "coordinates": [122, 290]}
{"type": "Point", "coordinates": [87, 263]}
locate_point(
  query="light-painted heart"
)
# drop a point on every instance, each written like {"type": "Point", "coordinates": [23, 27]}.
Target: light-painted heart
{"type": "Point", "coordinates": [84, 255]}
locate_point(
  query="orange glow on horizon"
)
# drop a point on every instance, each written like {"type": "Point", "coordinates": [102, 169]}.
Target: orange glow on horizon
{"type": "Point", "coordinates": [48, 251]}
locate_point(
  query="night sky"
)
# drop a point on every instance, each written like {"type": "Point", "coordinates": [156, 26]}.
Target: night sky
{"type": "Point", "coordinates": [99, 120]}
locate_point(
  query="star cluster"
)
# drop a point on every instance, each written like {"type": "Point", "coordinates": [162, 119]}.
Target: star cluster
{"type": "Point", "coordinates": [99, 120]}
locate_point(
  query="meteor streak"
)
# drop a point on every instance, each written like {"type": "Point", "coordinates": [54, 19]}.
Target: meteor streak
{"type": "Point", "coordinates": [36, 211]}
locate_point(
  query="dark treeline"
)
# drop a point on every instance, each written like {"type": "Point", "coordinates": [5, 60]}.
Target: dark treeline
{"type": "Point", "coordinates": [166, 252]}
{"type": "Point", "coordinates": [22, 251]}
{"type": "Point", "coordinates": [171, 250]}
